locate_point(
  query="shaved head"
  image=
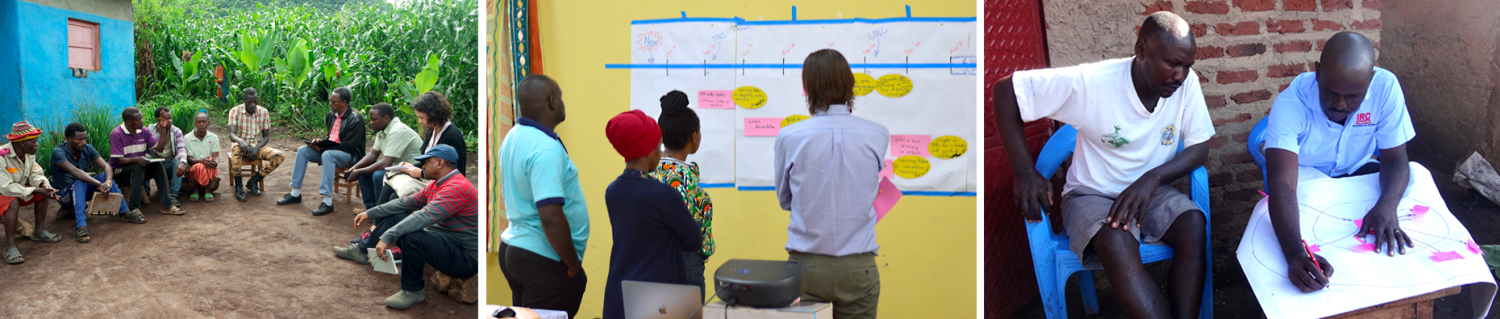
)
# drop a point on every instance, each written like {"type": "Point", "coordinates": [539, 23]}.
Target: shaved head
{"type": "Point", "coordinates": [540, 99]}
{"type": "Point", "coordinates": [1344, 72]}
{"type": "Point", "coordinates": [1164, 55]}
{"type": "Point", "coordinates": [1164, 24]}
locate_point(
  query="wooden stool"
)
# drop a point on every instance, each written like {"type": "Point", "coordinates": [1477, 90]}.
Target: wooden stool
{"type": "Point", "coordinates": [351, 189]}
{"type": "Point", "coordinates": [248, 168]}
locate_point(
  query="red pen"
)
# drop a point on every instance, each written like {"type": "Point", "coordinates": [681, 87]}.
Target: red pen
{"type": "Point", "coordinates": [1313, 258]}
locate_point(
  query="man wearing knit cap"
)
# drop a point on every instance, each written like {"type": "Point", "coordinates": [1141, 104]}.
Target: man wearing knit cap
{"type": "Point", "coordinates": [541, 249]}
{"type": "Point", "coordinates": [652, 226]}
{"type": "Point", "coordinates": [23, 184]}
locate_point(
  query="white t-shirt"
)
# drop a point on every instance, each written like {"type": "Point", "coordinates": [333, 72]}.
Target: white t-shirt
{"type": "Point", "coordinates": [1118, 140]}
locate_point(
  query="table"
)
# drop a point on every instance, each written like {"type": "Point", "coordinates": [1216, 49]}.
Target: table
{"type": "Point", "coordinates": [1419, 307]}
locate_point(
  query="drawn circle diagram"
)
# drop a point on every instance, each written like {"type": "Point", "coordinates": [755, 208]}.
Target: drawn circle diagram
{"type": "Point", "coordinates": [911, 166]}
{"type": "Point", "coordinates": [1332, 229]}
{"type": "Point", "coordinates": [792, 119]}
{"type": "Point", "coordinates": [893, 85]}
{"type": "Point", "coordinates": [863, 84]}
{"type": "Point", "coordinates": [948, 147]}
{"type": "Point", "coordinates": [749, 97]}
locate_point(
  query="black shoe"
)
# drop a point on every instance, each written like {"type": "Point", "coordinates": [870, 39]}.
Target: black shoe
{"type": "Point", "coordinates": [239, 188]}
{"type": "Point", "coordinates": [255, 183]}
{"type": "Point", "coordinates": [289, 199]}
{"type": "Point", "coordinates": [323, 209]}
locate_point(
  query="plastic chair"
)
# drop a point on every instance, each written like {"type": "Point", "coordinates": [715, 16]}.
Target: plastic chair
{"type": "Point", "coordinates": [1055, 263]}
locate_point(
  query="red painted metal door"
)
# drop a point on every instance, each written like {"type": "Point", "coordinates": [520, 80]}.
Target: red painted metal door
{"type": "Point", "coordinates": [1015, 39]}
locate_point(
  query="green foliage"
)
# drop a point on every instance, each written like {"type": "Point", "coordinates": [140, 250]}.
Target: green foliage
{"type": "Point", "coordinates": [98, 120]}
{"type": "Point", "coordinates": [183, 112]}
{"type": "Point", "coordinates": [295, 52]}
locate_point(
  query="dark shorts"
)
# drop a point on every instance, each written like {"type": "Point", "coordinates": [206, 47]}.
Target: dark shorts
{"type": "Point", "coordinates": [1084, 211]}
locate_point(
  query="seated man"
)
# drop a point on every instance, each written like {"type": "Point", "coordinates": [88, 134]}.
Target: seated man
{"type": "Point", "coordinates": [1310, 126]}
{"type": "Point", "coordinates": [202, 160]}
{"type": "Point", "coordinates": [346, 127]}
{"type": "Point", "coordinates": [172, 152]}
{"type": "Point", "coordinates": [394, 143]}
{"type": "Point", "coordinates": [70, 162]}
{"type": "Point", "coordinates": [1131, 115]}
{"type": "Point", "coordinates": [433, 114]}
{"type": "Point", "coordinates": [249, 131]}
{"type": "Point", "coordinates": [23, 184]}
{"type": "Point", "coordinates": [437, 226]}
{"type": "Point", "coordinates": [128, 145]}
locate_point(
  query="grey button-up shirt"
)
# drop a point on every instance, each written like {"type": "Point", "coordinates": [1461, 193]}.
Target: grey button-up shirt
{"type": "Point", "coordinates": [827, 175]}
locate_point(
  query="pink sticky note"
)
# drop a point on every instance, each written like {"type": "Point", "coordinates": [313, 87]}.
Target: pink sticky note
{"type": "Point", "coordinates": [886, 198]}
{"type": "Point", "coordinates": [1475, 248]}
{"type": "Point", "coordinates": [1359, 223]}
{"type": "Point", "coordinates": [1442, 256]}
{"type": "Point", "coordinates": [715, 99]}
{"type": "Point", "coordinates": [1419, 213]}
{"type": "Point", "coordinates": [762, 126]}
{"type": "Point", "coordinates": [886, 171]}
{"type": "Point", "coordinates": [1365, 248]}
{"type": "Point", "coordinates": [1314, 248]}
{"type": "Point", "coordinates": [903, 145]}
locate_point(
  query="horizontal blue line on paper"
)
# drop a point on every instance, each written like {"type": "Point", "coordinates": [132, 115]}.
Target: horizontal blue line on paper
{"type": "Point", "coordinates": [904, 193]}
{"type": "Point", "coordinates": [742, 21]}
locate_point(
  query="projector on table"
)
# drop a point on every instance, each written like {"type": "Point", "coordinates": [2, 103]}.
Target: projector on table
{"type": "Point", "coordinates": [759, 283]}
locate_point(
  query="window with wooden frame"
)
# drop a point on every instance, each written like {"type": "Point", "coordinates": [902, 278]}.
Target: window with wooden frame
{"type": "Point", "coordinates": [83, 45]}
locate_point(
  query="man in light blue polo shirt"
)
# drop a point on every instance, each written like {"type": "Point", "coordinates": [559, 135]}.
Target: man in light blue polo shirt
{"type": "Point", "coordinates": [541, 251]}
{"type": "Point", "coordinates": [1329, 123]}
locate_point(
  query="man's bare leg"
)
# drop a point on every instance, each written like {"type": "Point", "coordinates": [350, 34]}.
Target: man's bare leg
{"type": "Point", "coordinates": [1185, 285]}
{"type": "Point", "coordinates": [1121, 254]}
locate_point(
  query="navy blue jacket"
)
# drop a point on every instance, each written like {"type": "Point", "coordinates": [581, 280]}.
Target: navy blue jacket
{"type": "Point", "coordinates": [652, 228]}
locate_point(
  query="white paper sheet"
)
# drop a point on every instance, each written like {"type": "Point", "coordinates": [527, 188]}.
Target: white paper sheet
{"type": "Point", "coordinates": [689, 42]}
{"type": "Point", "coordinates": [1329, 209]}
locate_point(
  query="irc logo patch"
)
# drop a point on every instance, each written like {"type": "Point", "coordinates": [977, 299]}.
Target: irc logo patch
{"type": "Point", "coordinates": [1362, 119]}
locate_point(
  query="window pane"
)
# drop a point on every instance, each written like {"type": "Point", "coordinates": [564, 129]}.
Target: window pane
{"type": "Point", "coordinates": [82, 58]}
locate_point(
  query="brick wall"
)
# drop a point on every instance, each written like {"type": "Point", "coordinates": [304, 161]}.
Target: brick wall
{"type": "Point", "coordinates": [1248, 51]}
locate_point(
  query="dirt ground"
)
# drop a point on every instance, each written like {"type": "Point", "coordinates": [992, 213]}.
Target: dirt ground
{"type": "Point", "coordinates": [1233, 297]}
{"type": "Point", "coordinates": [222, 259]}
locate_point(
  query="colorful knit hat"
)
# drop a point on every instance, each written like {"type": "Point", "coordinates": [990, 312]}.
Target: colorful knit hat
{"type": "Point", "coordinates": [22, 131]}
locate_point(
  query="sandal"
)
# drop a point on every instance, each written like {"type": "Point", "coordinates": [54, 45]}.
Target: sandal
{"type": "Point", "coordinates": [173, 210]}
{"type": "Point", "coordinates": [13, 256]}
{"type": "Point", "coordinates": [83, 234]}
{"type": "Point", "coordinates": [133, 216]}
{"type": "Point", "coordinates": [45, 237]}
{"type": "Point", "coordinates": [208, 197]}
{"type": "Point", "coordinates": [193, 198]}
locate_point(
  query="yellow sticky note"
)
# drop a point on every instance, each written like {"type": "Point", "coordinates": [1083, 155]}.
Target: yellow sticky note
{"type": "Point", "coordinates": [948, 147]}
{"type": "Point", "coordinates": [863, 84]}
{"type": "Point", "coordinates": [893, 85]}
{"type": "Point", "coordinates": [792, 119]}
{"type": "Point", "coordinates": [749, 97]}
{"type": "Point", "coordinates": [911, 166]}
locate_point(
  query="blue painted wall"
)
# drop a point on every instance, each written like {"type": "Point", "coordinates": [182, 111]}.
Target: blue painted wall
{"type": "Point", "coordinates": [10, 71]}
{"type": "Point", "coordinates": [48, 89]}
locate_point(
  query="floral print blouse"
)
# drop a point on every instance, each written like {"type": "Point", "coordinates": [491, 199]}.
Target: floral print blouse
{"type": "Point", "coordinates": [684, 177]}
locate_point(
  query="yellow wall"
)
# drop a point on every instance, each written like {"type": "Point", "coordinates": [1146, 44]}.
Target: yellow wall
{"type": "Point", "coordinates": [928, 244]}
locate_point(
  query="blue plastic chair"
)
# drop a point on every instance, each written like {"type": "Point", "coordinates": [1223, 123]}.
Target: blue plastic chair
{"type": "Point", "coordinates": [1055, 263]}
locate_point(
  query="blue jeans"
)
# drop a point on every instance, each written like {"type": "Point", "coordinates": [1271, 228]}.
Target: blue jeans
{"type": "Point", "coordinates": [695, 265]}
{"type": "Point", "coordinates": [172, 175]}
{"type": "Point", "coordinates": [76, 195]}
{"type": "Point", "coordinates": [369, 188]}
{"type": "Point", "coordinates": [329, 159]}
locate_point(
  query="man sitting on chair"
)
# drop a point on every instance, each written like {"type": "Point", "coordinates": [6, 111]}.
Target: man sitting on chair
{"type": "Point", "coordinates": [1311, 127]}
{"type": "Point", "coordinates": [202, 160]}
{"type": "Point", "coordinates": [346, 126]}
{"type": "Point", "coordinates": [394, 143]}
{"type": "Point", "coordinates": [437, 226]}
{"type": "Point", "coordinates": [128, 147]}
{"type": "Point", "coordinates": [249, 131]}
{"type": "Point", "coordinates": [70, 162]}
{"type": "Point", "coordinates": [1131, 115]}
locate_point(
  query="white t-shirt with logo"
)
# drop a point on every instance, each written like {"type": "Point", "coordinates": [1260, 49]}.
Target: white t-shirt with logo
{"type": "Point", "coordinates": [1118, 140]}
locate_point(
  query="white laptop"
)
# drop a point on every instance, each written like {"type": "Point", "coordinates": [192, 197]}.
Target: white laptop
{"type": "Point", "coordinates": [650, 300]}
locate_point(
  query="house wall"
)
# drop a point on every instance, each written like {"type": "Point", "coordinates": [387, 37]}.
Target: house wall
{"type": "Point", "coordinates": [48, 86]}
{"type": "Point", "coordinates": [10, 66]}
{"type": "Point", "coordinates": [113, 9]}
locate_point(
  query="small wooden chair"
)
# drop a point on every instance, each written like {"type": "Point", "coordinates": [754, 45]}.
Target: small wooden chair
{"type": "Point", "coordinates": [248, 168]}
{"type": "Point", "coordinates": [351, 189]}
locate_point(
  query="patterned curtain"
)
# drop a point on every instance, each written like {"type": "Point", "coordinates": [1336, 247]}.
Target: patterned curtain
{"type": "Point", "coordinates": [502, 74]}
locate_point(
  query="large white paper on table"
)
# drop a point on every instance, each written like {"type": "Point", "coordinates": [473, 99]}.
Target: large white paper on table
{"type": "Point", "coordinates": [1330, 209]}
{"type": "Point", "coordinates": [934, 107]}
{"type": "Point", "coordinates": [689, 43]}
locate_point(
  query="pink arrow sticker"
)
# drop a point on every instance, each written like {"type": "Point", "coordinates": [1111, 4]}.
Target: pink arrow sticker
{"type": "Point", "coordinates": [1419, 213]}
{"type": "Point", "coordinates": [1314, 248]}
{"type": "Point", "coordinates": [1359, 223]}
{"type": "Point", "coordinates": [1442, 256]}
{"type": "Point", "coordinates": [1475, 248]}
{"type": "Point", "coordinates": [1365, 248]}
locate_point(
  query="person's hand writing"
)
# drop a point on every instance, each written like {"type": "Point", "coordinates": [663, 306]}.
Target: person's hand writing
{"type": "Point", "coordinates": [1033, 193]}
{"type": "Point", "coordinates": [1132, 203]}
{"type": "Point", "coordinates": [1306, 276]}
{"type": "Point", "coordinates": [1384, 224]}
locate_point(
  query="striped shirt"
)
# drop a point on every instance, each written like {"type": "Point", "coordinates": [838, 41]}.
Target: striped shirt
{"type": "Point", "coordinates": [123, 144]}
{"type": "Point", "coordinates": [448, 207]}
{"type": "Point", "coordinates": [249, 125]}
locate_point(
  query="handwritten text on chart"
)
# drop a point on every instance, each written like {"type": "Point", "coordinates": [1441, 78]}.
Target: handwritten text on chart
{"type": "Point", "coordinates": [749, 97]}
{"type": "Point", "coordinates": [863, 84]}
{"type": "Point", "coordinates": [762, 126]}
{"type": "Point", "coordinates": [903, 145]}
{"type": "Point", "coordinates": [911, 166]}
{"type": "Point", "coordinates": [793, 119]}
{"type": "Point", "coordinates": [948, 147]}
{"type": "Point", "coordinates": [715, 99]}
{"type": "Point", "coordinates": [893, 85]}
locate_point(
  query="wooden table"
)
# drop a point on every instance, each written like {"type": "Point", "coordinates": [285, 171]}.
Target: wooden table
{"type": "Point", "coordinates": [1415, 307]}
